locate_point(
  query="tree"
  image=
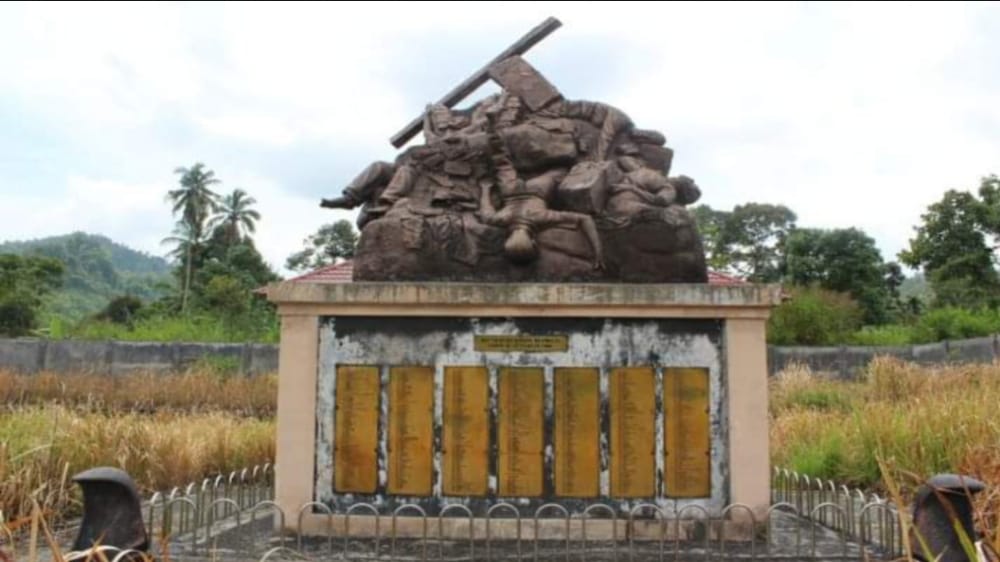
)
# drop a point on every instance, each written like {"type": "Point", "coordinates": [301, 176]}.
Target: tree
{"type": "Point", "coordinates": [194, 201]}
{"type": "Point", "coordinates": [710, 225]}
{"type": "Point", "coordinates": [843, 260]}
{"type": "Point", "coordinates": [752, 238]}
{"type": "Point", "coordinates": [329, 243]}
{"type": "Point", "coordinates": [954, 246]}
{"type": "Point", "coordinates": [235, 218]}
{"type": "Point", "coordinates": [187, 250]}
{"type": "Point", "coordinates": [121, 310]}
{"type": "Point", "coordinates": [25, 281]}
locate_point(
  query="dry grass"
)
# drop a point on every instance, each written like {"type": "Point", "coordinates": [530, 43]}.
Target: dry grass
{"type": "Point", "coordinates": [919, 420]}
{"type": "Point", "coordinates": [163, 430]}
{"type": "Point", "coordinates": [194, 391]}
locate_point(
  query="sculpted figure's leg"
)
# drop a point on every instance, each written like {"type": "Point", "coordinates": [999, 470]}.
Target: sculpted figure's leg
{"type": "Point", "coordinates": [399, 186]}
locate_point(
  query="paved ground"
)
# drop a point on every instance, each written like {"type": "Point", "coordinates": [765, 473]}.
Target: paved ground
{"type": "Point", "coordinates": [792, 539]}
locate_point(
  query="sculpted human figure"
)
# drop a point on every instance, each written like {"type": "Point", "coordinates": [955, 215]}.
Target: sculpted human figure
{"type": "Point", "coordinates": [380, 185]}
{"type": "Point", "coordinates": [525, 209]}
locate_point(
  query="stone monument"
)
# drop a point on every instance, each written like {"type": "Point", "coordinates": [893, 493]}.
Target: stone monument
{"type": "Point", "coordinates": [529, 323]}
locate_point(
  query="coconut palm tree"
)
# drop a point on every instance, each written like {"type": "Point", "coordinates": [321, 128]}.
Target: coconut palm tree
{"type": "Point", "coordinates": [183, 248]}
{"type": "Point", "coordinates": [235, 216]}
{"type": "Point", "coordinates": [194, 200]}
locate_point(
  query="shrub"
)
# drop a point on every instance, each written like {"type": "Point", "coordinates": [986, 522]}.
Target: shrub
{"type": "Point", "coordinates": [889, 334]}
{"type": "Point", "coordinates": [121, 310]}
{"type": "Point", "coordinates": [814, 317]}
{"type": "Point", "coordinates": [955, 323]}
{"type": "Point", "coordinates": [17, 318]}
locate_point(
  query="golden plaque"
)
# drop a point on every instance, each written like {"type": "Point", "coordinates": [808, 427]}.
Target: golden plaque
{"type": "Point", "coordinates": [521, 343]}
{"type": "Point", "coordinates": [521, 418]}
{"type": "Point", "coordinates": [356, 430]}
{"type": "Point", "coordinates": [465, 432]}
{"type": "Point", "coordinates": [577, 432]}
{"type": "Point", "coordinates": [686, 433]}
{"type": "Point", "coordinates": [411, 431]}
{"type": "Point", "coordinates": [633, 432]}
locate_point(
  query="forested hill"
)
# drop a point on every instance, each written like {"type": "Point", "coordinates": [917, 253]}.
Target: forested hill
{"type": "Point", "coordinates": [97, 269]}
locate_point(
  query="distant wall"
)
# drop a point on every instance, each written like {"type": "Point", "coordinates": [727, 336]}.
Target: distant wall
{"type": "Point", "coordinates": [115, 357]}
{"type": "Point", "coordinates": [849, 361]}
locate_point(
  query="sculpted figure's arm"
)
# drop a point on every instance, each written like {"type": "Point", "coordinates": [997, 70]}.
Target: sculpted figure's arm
{"type": "Point", "coordinates": [579, 220]}
{"type": "Point", "coordinates": [363, 187]}
{"type": "Point", "coordinates": [487, 212]}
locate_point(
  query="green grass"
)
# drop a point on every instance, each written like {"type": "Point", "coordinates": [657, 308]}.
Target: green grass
{"type": "Point", "coordinates": [888, 335]}
{"type": "Point", "coordinates": [172, 329]}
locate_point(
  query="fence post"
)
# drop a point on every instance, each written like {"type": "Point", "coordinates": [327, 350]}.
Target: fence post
{"type": "Point", "coordinates": [43, 350]}
{"type": "Point", "coordinates": [245, 359]}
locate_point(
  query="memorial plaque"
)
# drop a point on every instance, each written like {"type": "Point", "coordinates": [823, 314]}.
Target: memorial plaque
{"type": "Point", "coordinates": [686, 434]}
{"type": "Point", "coordinates": [521, 433]}
{"type": "Point", "coordinates": [521, 343]}
{"type": "Point", "coordinates": [465, 432]}
{"type": "Point", "coordinates": [633, 432]}
{"type": "Point", "coordinates": [577, 432]}
{"type": "Point", "coordinates": [411, 431]}
{"type": "Point", "coordinates": [356, 430]}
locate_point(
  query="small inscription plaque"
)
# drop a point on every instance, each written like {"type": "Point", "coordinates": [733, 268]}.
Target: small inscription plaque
{"type": "Point", "coordinates": [355, 429]}
{"type": "Point", "coordinates": [521, 420]}
{"type": "Point", "coordinates": [633, 432]}
{"type": "Point", "coordinates": [527, 343]}
{"type": "Point", "coordinates": [411, 430]}
{"type": "Point", "coordinates": [577, 432]}
{"type": "Point", "coordinates": [465, 431]}
{"type": "Point", "coordinates": [687, 437]}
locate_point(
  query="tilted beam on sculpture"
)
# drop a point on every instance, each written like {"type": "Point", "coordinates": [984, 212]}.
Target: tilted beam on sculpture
{"type": "Point", "coordinates": [526, 185]}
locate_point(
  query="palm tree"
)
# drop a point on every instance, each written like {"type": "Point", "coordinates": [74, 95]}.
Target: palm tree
{"type": "Point", "coordinates": [194, 201]}
{"type": "Point", "coordinates": [235, 216]}
{"type": "Point", "coordinates": [180, 240]}
{"type": "Point", "coordinates": [182, 251]}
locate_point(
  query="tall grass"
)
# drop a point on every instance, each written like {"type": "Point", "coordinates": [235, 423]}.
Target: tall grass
{"type": "Point", "coordinates": [163, 430]}
{"type": "Point", "coordinates": [922, 420]}
{"type": "Point", "coordinates": [201, 390]}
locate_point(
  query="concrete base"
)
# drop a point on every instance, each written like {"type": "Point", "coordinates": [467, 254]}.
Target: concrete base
{"type": "Point", "coordinates": [576, 529]}
{"type": "Point", "coordinates": [742, 311]}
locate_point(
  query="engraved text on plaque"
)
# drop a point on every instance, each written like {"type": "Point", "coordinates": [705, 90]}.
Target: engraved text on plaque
{"type": "Point", "coordinates": [411, 430]}
{"type": "Point", "coordinates": [521, 434]}
{"type": "Point", "coordinates": [356, 429]}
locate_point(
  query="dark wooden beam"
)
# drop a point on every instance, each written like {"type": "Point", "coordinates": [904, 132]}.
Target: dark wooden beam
{"type": "Point", "coordinates": [459, 93]}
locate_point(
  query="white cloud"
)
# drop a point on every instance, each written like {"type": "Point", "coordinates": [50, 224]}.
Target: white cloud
{"type": "Point", "coordinates": [850, 114]}
{"type": "Point", "coordinates": [135, 214]}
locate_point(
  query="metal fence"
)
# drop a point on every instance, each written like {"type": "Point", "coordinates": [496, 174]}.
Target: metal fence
{"type": "Point", "coordinates": [193, 511]}
{"type": "Point", "coordinates": [235, 518]}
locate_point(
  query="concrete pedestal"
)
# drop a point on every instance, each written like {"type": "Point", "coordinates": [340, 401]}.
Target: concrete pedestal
{"type": "Point", "coordinates": [410, 339]}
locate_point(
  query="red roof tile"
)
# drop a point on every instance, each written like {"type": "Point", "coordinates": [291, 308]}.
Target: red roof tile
{"type": "Point", "coordinates": [341, 273]}
{"type": "Point", "coordinates": [335, 273]}
{"type": "Point", "coordinates": [716, 278]}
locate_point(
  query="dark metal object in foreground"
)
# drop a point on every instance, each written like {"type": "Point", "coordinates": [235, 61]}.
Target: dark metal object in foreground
{"type": "Point", "coordinates": [111, 511]}
{"type": "Point", "coordinates": [940, 505]}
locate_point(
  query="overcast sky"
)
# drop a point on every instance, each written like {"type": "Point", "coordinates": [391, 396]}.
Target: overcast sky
{"type": "Point", "coordinates": [851, 115]}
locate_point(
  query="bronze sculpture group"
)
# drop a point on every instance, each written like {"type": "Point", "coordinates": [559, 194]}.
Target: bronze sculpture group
{"type": "Point", "coordinates": [526, 185]}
